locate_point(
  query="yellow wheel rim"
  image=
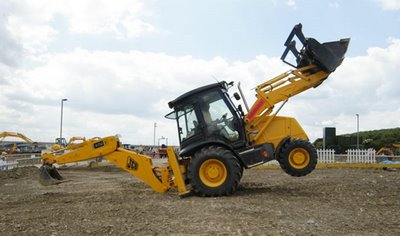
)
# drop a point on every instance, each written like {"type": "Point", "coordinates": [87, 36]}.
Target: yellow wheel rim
{"type": "Point", "coordinates": [299, 158]}
{"type": "Point", "coordinates": [213, 173]}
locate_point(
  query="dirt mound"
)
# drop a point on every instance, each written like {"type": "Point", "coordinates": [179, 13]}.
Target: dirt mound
{"type": "Point", "coordinates": [20, 172]}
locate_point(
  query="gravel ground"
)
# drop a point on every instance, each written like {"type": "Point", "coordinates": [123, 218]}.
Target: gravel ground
{"type": "Point", "coordinates": [108, 201]}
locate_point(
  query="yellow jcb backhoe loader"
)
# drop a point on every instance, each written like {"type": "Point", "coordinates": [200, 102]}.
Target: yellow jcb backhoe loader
{"type": "Point", "coordinates": [218, 140]}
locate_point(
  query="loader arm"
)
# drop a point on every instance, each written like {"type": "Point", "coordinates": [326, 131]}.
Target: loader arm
{"type": "Point", "coordinates": [282, 87]}
{"type": "Point", "coordinates": [314, 63]}
{"type": "Point", "coordinates": [160, 179]}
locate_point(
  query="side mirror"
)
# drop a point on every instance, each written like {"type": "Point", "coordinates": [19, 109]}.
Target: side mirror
{"type": "Point", "coordinates": [236, 96]}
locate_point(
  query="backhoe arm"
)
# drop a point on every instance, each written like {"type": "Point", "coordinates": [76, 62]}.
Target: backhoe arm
{"type": "Point", "coordinates": [160, 179]}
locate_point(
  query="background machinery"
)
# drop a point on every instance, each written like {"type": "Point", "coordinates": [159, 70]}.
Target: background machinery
{"type": "Point", "coordinates": [16, 135]}
{"type": "Point", "coordinates": [62, 144]}
{"type": "Point", "coordinates": [394, 150]}
{"type": "Point", "coordinates": [218, 140]}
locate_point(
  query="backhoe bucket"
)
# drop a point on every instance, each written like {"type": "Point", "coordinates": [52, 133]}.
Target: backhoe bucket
{"type": "Point", "coordinates": [327, 56]}
{"type": "Point", "coordinates": [49, 175]}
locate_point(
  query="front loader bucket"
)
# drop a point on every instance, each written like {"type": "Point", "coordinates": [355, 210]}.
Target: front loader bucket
{"type": "Point", "coordinates": [327, 56]}
{"type": "Point", "coordinates": [49, 175]}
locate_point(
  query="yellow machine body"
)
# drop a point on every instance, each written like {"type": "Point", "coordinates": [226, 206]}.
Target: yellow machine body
{"type": "Point", "coordinates": [276, 129]}
{"type": "Point", "coordinates": [264, 127]}
{"type": "Point", "coordinates": [216, 152]}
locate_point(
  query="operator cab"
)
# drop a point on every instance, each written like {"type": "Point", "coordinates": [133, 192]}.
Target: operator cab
{"type": "Point", "coordinates": [205, 116]}
{"type": "Point", "coordinates": [61, 141]}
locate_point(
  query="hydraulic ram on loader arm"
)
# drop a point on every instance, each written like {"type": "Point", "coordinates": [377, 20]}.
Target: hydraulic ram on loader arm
{"type": "Point", "coordinates": [160, 179]}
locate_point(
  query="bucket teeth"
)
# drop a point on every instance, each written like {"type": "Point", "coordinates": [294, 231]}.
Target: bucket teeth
{"type": "Point", "coordinates": [49, 175]}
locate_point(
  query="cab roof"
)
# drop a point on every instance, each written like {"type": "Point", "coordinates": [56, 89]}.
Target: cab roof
{"type": "Point", "coordinates": [194, 92]}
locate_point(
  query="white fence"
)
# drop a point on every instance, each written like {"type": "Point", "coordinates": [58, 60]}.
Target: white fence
{"type": "Point", "coordinates": [326, 155]}
{"type": "Point", "coordinates": [7, 165]}
{"type": "Point", "coordinates": [352, 156]}
{"type": "Point", "coordinates": [361, 156]}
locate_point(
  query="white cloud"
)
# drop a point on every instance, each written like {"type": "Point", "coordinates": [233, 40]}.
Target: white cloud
{"type": "Point", "coordinates": [390, 4]}
{"type": "Point", "coordinates": [107, 89]}
{"type": "Point", "coordinates": [33, 37]}
{"type": "Point", "coordinates": [115, 92]}
{"type": "Point", "coordinates": [291, 3]}
{"type": "Point", "coordinates": [96, 17]}
{"type": "Point", "coordinates": [334, 4]}
{"type": "Point", "coordinates": [37, 23]}
{"type": "Point", "coordinates": [126, 92]}
{"type": "Point", "coordinates": [10, 48]}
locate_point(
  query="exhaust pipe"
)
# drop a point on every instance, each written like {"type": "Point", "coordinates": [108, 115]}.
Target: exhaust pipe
{"type": "Point", "coordinates": [327, 56]}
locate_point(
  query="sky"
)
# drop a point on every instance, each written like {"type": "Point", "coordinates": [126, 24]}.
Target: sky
{"type": "Point", "coordinates": [120, 62]}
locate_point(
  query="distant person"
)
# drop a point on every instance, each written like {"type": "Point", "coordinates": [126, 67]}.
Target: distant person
{"type": "Point", "coordinates": [3, 161]}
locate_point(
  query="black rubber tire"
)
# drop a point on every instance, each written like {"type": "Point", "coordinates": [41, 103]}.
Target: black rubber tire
{"type": "Point", "coordinates": [302, 146]}
{"type": "Point", "coordinates": [241, 172]}
{"type": "Point", "coordinates": [223, 156]}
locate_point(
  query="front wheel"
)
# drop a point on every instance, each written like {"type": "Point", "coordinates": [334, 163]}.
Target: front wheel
{"type": "Point", "coordinates": [298, 157]}
{"type": "Point", "coordinates": [214, 171]}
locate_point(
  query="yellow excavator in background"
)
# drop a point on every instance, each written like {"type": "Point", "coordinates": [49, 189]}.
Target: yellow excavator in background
{"type": "Point", "coordinates": [62, 144]}
{"type": "Point", "coordinates": [15, 135]}
{"type": "Point", "coordinates": [389, 151]}
{"type": "Point", "coordinates": [218, 139]}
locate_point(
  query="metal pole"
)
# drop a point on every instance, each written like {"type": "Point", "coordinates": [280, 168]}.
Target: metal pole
{"type": "Point", "coordinates": [62, 108]}
{"type": "Point", "coordinates": [154, 141]}
{"type": "Point", "coordinates": [358, 131]}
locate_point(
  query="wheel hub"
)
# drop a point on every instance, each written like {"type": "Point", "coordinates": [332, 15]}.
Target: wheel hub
{"type": "Point", "coordinates": [213, 173]}
{"type": "Point", "coordinates": [299, 158]}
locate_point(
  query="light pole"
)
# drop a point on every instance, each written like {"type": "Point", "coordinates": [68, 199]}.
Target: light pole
{"type": "Point", "coordinates": [154, 137]}
{"type": "Point", "coordinates": [62, 108]}
{"type": "Point", "coordinates": [358, 131]}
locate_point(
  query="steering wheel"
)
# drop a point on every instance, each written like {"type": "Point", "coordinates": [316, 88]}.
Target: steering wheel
{"type": "Point", "coordinates": [227, 122]}
{"type": "Point", "coordinates": [222, 119]}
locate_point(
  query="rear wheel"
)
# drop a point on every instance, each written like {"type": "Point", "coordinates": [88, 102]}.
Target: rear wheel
{"type": "Point", "coordinates": [298, 157]}
{"type": "Point", "coordinates": [214, 171]}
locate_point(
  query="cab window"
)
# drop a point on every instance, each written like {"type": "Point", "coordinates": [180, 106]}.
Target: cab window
{"type": "Point", "coordinates": [218, 117]}
{"type": "Point", "coordinates": [187, 122]}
